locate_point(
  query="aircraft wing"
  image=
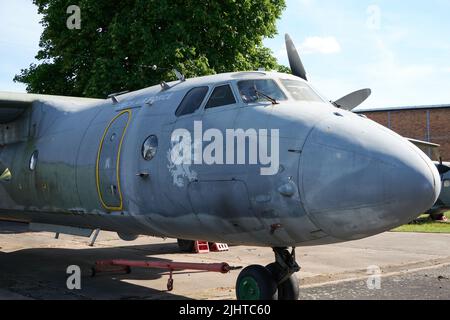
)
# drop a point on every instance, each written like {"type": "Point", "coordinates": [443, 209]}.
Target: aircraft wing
{"type": "Point", "coordinates": [13, 105]}
{"type": "Point", "coordinates": [436, 154]}
{"type": "Point", "coordinates": [426, 146]}
{"type": "Point", "coordinates": [423, 144]}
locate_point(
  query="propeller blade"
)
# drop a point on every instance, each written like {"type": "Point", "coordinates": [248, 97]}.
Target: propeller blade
{"type": "Point", "coordinates": [352, 100]}
{"type": "Point", "coordinates": [6, 175]}
{"type": "Point", "coordinates": [294, 59]}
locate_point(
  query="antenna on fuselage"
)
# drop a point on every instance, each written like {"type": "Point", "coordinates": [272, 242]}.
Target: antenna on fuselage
{"type": "Point", "coordinates": [181, 77]}
{"type": "Point", "coordinates": [113, 96]}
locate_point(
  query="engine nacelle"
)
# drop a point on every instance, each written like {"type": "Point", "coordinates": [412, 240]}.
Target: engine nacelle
{"type": "Point", "coordinates": [127, 237]}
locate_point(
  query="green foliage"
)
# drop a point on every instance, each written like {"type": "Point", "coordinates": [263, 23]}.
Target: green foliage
{"type": "Point", "coordinates": [119, 39]}
{"type": "Point", "coordinates": [426, 225]}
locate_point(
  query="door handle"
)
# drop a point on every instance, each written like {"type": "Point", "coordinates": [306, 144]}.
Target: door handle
{"type": "Point", "coordinates": [143, 175]}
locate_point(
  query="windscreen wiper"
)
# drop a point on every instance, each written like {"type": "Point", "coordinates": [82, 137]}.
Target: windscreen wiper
{"type": "Point", "coordinates": [259, 93]}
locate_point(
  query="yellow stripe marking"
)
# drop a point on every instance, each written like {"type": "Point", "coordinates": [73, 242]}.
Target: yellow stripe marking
{"type": "Point", "coordinates": [97, 168]}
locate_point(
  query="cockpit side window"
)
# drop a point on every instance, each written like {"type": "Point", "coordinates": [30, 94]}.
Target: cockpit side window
{"type": "Point", "coordinates": [192, 101]}
{"type": "Point", "coordinates": [221, 96]}
{"type": "Point", "coordinates": [301, 91]}
{"type": "Point", "coordinates": [253, 91]}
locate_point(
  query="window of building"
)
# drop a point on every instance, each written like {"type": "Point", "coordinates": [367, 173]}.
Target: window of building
{"type": "Point", "coordinates": [221, 96]}
{"type": "Point", "coordinates": [192, 101]}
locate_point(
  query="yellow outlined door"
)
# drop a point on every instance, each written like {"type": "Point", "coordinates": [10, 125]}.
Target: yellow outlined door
{"type": "Point", "coordinates": [108, 162]}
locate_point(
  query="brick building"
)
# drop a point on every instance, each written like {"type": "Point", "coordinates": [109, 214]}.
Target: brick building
{"type": "Point", "coordinates": [427, 123]}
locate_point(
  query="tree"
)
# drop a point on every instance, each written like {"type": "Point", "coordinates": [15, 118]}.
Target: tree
{"type": "Point", "coordinates": [119, 40]}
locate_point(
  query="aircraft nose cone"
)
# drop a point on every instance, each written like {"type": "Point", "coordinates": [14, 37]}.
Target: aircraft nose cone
{"type": "Point", "coordinates": [359, 179]}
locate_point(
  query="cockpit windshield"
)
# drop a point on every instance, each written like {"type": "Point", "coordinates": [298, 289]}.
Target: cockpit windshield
{"type": "Point", "coordinates": [301, 91]}
{"type": "Point", "coordinates": [253, 91]}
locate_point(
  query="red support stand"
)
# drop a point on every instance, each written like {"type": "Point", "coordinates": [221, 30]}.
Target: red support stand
{"type": "Point", "coordinates": [206, 247]}
{"type": "Point", "coordinates": [219, 247]}
{"type": "Point", "coordinates": [201, 247]}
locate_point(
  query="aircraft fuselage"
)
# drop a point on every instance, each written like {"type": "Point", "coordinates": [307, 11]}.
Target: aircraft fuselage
{"type": "Point", "coordinates": [330, 175]}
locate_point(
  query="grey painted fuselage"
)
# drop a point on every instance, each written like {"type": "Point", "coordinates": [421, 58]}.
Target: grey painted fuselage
{"type": "Point", "coordinates": [347, 177]}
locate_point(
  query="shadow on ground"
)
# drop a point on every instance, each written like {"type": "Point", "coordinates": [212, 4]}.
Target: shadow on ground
{"type": "Point", "coordinates": [41, 273]}
{"type": "Point", "coordinates": [13, 227]}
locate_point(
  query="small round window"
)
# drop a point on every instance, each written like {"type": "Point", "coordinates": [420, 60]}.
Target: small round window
{"type": "Point", "coordinates": [150, 147]}
{"type": "Point", "coordinates": [34, 160]}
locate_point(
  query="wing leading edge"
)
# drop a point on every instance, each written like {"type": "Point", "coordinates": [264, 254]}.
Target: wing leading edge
{"type": "Point", "coordinates": [13, 105]}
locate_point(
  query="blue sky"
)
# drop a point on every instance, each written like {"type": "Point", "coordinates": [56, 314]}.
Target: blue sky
{"type": "Point", "coordinates": [400, 49]}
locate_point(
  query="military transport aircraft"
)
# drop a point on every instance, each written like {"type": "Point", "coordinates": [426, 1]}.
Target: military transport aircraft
{"type": "Point", "coordinates": [319, 173]}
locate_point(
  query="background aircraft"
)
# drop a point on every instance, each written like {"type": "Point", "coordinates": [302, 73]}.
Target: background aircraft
{"type": "Point", "coordinates": [443, 203]}
{"type": "Point", "coordinates": [106, 164]}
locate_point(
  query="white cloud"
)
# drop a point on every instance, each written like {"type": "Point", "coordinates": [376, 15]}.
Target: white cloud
{"type": "Point", "coordinates": [397, 83]}
{"type": "Point", "coordinates": [389, 69]}
{"type": "Point", "coordinates": [322, 45]}
{"type": "Point", "coordinates": [404, 63]}
{"type": "Point", "coordinates": [394, 81]}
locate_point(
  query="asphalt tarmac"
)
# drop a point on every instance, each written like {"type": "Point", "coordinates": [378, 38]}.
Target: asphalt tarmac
{"type": "Point", "coordinates": [396, 266]}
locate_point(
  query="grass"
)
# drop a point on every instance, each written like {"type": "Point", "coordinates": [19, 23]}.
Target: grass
{"type": "Point", "coordinates": [424, 224]}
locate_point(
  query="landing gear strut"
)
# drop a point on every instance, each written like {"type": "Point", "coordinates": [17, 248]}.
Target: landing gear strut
{"type": "Point", "coordinates": [277, 281]}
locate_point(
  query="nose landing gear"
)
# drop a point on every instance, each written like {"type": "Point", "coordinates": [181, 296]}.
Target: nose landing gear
{"type": "Point", "coordinates": [277, 281]}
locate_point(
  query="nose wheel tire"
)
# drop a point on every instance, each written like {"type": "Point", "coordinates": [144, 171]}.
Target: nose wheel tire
{"type": "Point", "coordinates": [277, 281]}
{"type": "Point", "coordinates": [256, 283]}
{"type": "Point", "coordinates": [288, 289]}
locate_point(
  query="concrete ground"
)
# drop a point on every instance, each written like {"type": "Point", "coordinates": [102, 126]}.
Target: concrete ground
{"type": "Point", "coordinates": [422, 284]}
{"type": "Point", "coordinates": [33, 266]}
